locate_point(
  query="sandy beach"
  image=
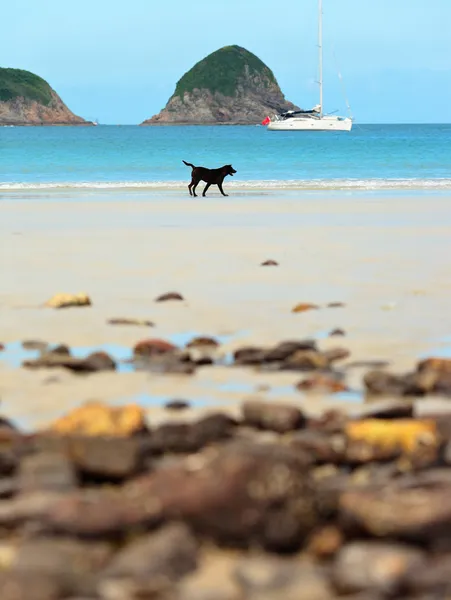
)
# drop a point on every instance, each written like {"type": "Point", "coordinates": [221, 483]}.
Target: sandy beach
{"type": "Point", "coordinates": [383, 257]}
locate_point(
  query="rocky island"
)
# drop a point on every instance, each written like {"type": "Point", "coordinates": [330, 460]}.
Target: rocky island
{"type": "Point", "coordinates": [230, 86]}
{"type": "Point", "coordinates": [27, 99]}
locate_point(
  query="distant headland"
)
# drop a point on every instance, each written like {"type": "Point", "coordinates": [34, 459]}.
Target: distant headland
{"type": "Point", "coordinates": [27, 99]}
{"type": "Point", "coordinates": [230, 86]}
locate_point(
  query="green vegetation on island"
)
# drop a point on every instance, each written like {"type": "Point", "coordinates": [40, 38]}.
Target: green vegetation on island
{"type": "Point", "coordinates": [221, 72]}
{"type": "Point", "coordinates": [16, 83]}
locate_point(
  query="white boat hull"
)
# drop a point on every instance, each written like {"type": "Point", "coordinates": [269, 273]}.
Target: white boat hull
{"type": "Point", "coordinates": [309, 124]}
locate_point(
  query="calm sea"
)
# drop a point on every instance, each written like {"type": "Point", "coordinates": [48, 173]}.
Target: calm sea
{"type": "Point", "coordinates": [371, 157]}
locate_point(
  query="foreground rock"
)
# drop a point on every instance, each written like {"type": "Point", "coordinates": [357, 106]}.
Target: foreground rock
{"type": "Point", "coordinates": [105, 505]}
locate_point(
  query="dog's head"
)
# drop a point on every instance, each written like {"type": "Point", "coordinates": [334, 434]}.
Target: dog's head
{"type": "Point", "coordinates": [229, 170]}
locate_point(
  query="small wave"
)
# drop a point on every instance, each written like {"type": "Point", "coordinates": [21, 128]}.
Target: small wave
{"type": "Point", "coordinates": [270, 184]}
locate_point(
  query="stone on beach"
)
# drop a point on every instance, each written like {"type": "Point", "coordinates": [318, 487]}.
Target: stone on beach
{"type": "Point", "coordinates": [269, 263]}
{"type": "Point", "coordinates": [169, 296]}
{"type": "Point", "coordinates": [304, 307]}
{"type": "Point", "coordinates": [399, 435]}
{"type": "Point", "coordinates": [272, 416]}
{"type": "Point", "coordinates": [152, 347]}
{"type": "Point", "coordinates": [130, 321]}
{"type": "Point", "coordinates": [96, 418]}
{"type": "Point", "coordinates": [68, 300]}
{"type": "Point", "coordinates": [96, 361]}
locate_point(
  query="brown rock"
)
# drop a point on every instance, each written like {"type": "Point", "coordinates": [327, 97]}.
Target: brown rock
{"type": "Point", "coordinates": [378, 566]}
{"type": "Point", "coordinates": [335, 304]}
{"type": "Point", "coordinates": [127, 321]}
{"type": "Point", "coordinates": [442, 365]}
{"type": "Point", "coordinates": [240, 494]}
{"type": "Point", "coordinates": [32, 586]}
{"type": "Point", "coordinates": [286, 349]}
{"type": "Point", "coordinates": [385, 409]}
{"type": "Point", "coordinates": [177, 404]}
{"type": "Point", "coordinates": [335, 354]}
{"type": "Point", "coordinates": [249, 494]}
{"type": "Point", "coordinates": [325, 542]}
{"type": "Point", "coordinates": [272, 416]}
{"type": "Point", "coordinates": [212, 580]}
{"type": "Point", "coordinates": [103, 512]}
{"type": "Point", "coordinates": [109, 458]}
{"type": "Point", "coordinates": [249, 355]}
{"type": "Point", "coordinates": [322, 382]}
{"type": "Point", "coordinates": [432, 576]}
{"type": "Point", "coordinates": [270, 263]}
{"type": "Point", "coordinates": [71, 563]}
{"type": "Point", "coordinates": [27, 507]}
{"type": "Point", "coordinates": [168, 553]}
{"type": "Point", "coordinates": [337, 332]}
{"type": "Point", "coordinates": [271, 578]}
{"type": "Point", "coordinates": [59, 349]}
{"type": "Point", "coordinates": [169, 296]}
{"type": "Point", "coordinates": [304, 307]}
{"type": "Point", "coordinates": [330, 421]}
{"type": "Point", "coordinates": [46, 471]}
{"type": "Point", "coordinates": [68, 300]}
{"type": "Point", "coordinates": [153, 347]}
{"type": "Point", "coordinates": [322, 447]}
{"type": "Point", "coordinates": [406, 511]}
{"type": "Point", "coordinates": [202, 341]}
{"type": "Point", "coordinates": [305, 360]}
{"type": "Point", "coordinates": [34, 345]}
{"type": "Point", "coordinates": [97, 361]}
{"type": "Point", "coordinates": [191, 437]}
{"type": "Point", "coordinates": [96, 418]}
{"type": "Point", "coordinates": [128, 588]}
{"type": "Point", "coordinates": [381, 383]}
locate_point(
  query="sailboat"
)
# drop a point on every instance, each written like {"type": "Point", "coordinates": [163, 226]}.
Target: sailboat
{"type": "Point", "coordinates": [314, 119]}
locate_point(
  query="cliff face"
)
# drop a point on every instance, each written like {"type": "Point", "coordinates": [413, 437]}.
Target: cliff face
{"type": "Point", "coordinates": [26, 99]}
{"type": "Point", "coordinates": [230, 86]}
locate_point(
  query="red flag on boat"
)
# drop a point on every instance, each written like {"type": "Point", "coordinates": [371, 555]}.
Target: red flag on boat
{"type": "Point", "coordinates": [266, 121]}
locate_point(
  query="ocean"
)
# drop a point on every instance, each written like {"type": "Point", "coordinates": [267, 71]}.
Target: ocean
{"type": "Point", "coordinates": [371, 157]}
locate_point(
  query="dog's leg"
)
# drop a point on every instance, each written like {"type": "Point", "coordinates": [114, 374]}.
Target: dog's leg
{"type": "Point", "coordinates": [194, 189]}
{"type": "Point", "coordinates": [221, 190]}
{"type": "Point", "coordinates": [206, 188]}
{"type": "Point", "coordinates": [189, 188]}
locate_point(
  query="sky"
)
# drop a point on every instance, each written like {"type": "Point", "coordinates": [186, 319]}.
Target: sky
{"type": "Point", "coordinates": [119, 61]}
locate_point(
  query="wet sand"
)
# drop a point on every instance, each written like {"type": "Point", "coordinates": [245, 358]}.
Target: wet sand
{"type": "Point", "coordinates": [384, 257]}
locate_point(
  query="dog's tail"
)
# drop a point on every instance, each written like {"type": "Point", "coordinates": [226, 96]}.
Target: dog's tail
{"type": "Point", "coordinates": [188, 164]}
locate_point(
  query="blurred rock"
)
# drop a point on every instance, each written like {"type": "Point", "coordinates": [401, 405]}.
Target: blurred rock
{"type": "Point", "coordinates": [272, 416]}
{"type": "Point", "coordinates": [97, 419]}
{"type": "Point", "coordinates": [170, 553]}
{"type": "Point", "coordinates": [374, 566]}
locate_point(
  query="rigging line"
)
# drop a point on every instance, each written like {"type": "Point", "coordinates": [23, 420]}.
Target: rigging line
{"type": "Point", "coordinates": [342, 83]}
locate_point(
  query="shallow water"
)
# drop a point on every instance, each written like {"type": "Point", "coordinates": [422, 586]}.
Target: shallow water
{"type": "Point", "coordinates": [371, 157]}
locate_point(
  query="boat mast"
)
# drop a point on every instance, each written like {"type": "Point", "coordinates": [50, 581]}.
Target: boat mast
{"type": "Point", "coordinates": [320, 50]}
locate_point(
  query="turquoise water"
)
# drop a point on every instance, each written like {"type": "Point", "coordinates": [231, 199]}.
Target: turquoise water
{"type": "Point", "coordinates": [371, 157]}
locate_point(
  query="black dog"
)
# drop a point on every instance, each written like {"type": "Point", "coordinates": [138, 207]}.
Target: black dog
{"type": "Point", "coordinates": [211, 176]}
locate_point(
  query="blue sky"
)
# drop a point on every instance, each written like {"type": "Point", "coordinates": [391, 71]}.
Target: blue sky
{"type": "Point", "coordinates": [119, 61]}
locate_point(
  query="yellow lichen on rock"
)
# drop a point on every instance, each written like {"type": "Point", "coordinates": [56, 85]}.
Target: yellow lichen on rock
{"type": "Point", "coordinates": [97, 419]}
{"type": "Point", "coordinates": [67, 300]}
{"type": "Point", "coordinates": [403, 434]}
